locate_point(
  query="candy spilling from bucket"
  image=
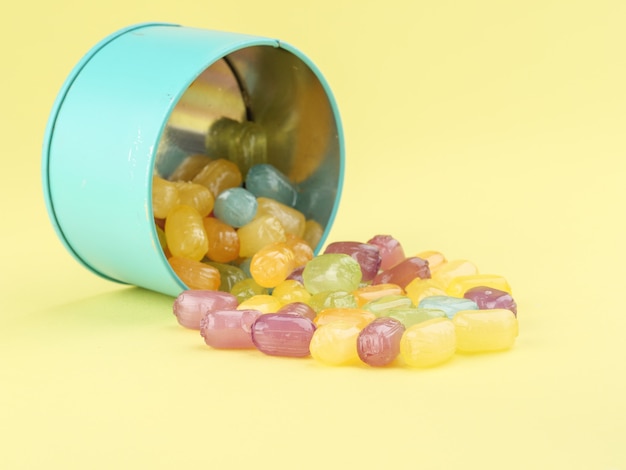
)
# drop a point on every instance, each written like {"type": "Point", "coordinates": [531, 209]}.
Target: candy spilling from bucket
{"type": "Point", "coordinates": [411, 314]}
{"type": "Point", "coordinates": [208, 166]}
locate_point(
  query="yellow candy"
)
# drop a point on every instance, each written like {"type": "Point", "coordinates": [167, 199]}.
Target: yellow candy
{"type": "Point", "coordinates": [485, 330]}
{"type": "Point", "coordinates": [263, 303]}
{"type": "Point", "coordinates": [185, 233]}
{"type": "Point", "coordinates": [366, 294]}
{"type": "Point", "coordinates": [292, 220]}
{"type": "Point", "coordinates": [197, 196]}
{"type": "Point", "coordinates": [357, 316]}
{"type": "Point", "coordinates": [259, 233]}
{"type": "Point", "coordinates": [335, 343]}
{"type": "Point", "coordinates": [434, 258]}
{"type": "Point", "coordinates": [219, 175]}
{"type": "Point", "coordinates": [164, 197]}
{"type": "Point", "coordinates": [448, 271]}
{"type": "Point", "coordinates": [460, 284]}
{"type": "Point", "coordinates": [419, 289]}
{"type": "Point", "coordinates": [428, 343]}
{"type": "Point", "coordinates": [290, 291]}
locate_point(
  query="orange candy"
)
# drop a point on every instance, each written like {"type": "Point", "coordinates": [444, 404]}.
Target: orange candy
{"type": "Point", "coordinates": [194, 274]}
{"type": "Point", "coordinates": [272, 264]}
{"type": "Point", "coordinates": [223, 240]}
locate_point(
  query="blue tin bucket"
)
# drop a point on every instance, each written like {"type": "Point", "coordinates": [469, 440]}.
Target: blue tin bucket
{"type": "Point", "coordinates": [141, 101]}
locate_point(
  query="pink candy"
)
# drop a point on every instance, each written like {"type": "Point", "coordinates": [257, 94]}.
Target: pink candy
{"type": "Point", "coordinates": [229, 329]}
{"type": "Point", "coordinates": [391, 250]}
{"type": "Point", "coordinates": [191, 305]}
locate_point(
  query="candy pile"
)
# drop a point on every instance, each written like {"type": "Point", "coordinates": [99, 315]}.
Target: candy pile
{"type": "Point", "coordinates": [231, 229]}
{"type": "Point", "coordinates": [358, 303]}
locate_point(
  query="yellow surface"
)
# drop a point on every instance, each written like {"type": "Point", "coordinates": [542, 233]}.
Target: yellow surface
{"type": "Point", "coordinates": [489, 130]}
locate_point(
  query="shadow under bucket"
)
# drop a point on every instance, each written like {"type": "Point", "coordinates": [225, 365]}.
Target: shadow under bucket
{"type": "Point", "coordinates": [143, 100]}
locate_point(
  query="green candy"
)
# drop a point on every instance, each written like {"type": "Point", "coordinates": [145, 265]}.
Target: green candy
{"type": "Point", "coordinates": [380, 306]}
{"type": "Point", "coordinates": [331, 299]}
{"type": "Point", "coordinates": [332, 272]}
{"type": "Point", "coordinates": [413, 315]}
{"type": "Point", "coordinates": [247, 288]}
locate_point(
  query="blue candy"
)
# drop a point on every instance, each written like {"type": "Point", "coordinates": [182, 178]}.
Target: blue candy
{"type": "Point", "coordinates": [235, 207]}
{"type": "Point", "coordinates": [265, 180]}
{"type": "Point", "coordinates": [449, 305]}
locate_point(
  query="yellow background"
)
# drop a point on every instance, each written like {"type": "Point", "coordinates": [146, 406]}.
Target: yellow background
{"type": "Point", "coordinates": [489, 130]}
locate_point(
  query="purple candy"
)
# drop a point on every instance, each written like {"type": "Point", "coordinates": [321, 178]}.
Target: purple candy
{"type": "Point", "coordinates": [298, 308]}
{"type": "Point", "coordinates": [488, 298]}
{"type": "Point", "coordinates": [191, 305]}
{"type": "Point", "coordinates": [283, 334]}
{"type": "Point", "coordinates": [296, 275]}
{"type": "Point", "coordinates": [367, 255]}
{"type": "Point", "coordinates": [404, 272]}
{"type": "Point", "coordinates": [378, 344]}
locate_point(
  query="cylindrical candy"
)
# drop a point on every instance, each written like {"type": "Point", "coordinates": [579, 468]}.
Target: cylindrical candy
{"type": "Point", "coordinates": [229, 329]}
{"type": "Point", "coordinates": [290, 291]}
{"type": "Point", "coordinates": [264, 303]}
{"type": "Point", "coordinates": [404, 272]}
{"type": "Point", "coordinates": [262, 231]}
{"type": "Point", "coordinates": [291, 219]}
{"type": "Point", "coordinates": [418, 289]}
{"type": "Point", "coordinates": [185, 233]}
{"type": "Point", "coordinates": [428, 343]}
{"type": "Point", "coordinates": [334, 344]}
{"type": "Point", "coordinates": [283, 334]}
{"type": "Point", "coordinates": [272, 264]}
{"type": "Point", "coordinates": [485, 330]}
{"type": "Point", "coordinates": [412, 316]}
{"type": "Point", "coordinates": [378, 344]}
{"type": "Point", "coordinates": [195, 195]}
{"type": "Point", "coordinates": [218, 176]}
{"type": "Point", "coordinates": [235, 207]}
{"type": "Point", "coordinates": [488, 298]}
{"type": "Point", "coordinates": [380, 306]}
{"type": "Point", "coordinates": [370, 292]}
{"type": "Point", "coordinates": [298, 308]}
{"type": "Point", "coordinates": [332, 272]}
{"type": "Point", "coordinates": [445, 272]}
{"type": "Point", "coordinates": [450, 305]}
{"type": "Point", "coordinates": [331, 299]}
{"type": "Point", "coordinates": [247, 288]}
{"type": "Point", "coordinates": [391, 250]}
{"type": "Point", "coordinates": [195, 274]}
{"type": "Point", "coordinates": [265, 180]}
{"type": "Point", "coordinates": [358, 316]}
{"type": "Point", "coordinates": [223, 240]}
{"type": "Point", "coordinates": [461, 284]}
{"type": "Point", "coordinates": [191, 305]}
